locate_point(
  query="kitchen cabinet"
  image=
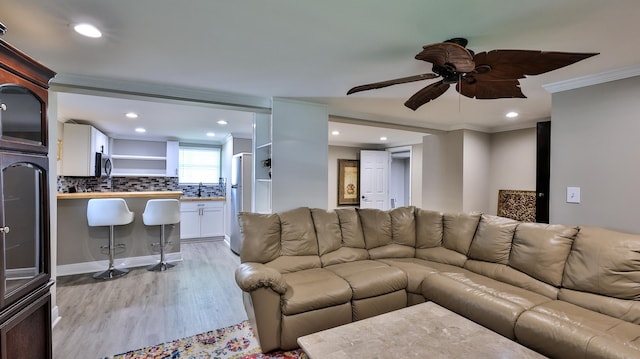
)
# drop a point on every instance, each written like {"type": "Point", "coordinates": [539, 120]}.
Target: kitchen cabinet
{"type": "Point", "coordinates": [144, 158]}
{"type": "Point", "coordinates": [201, 219]}
{"type": "Point", "coordinates": [80, 143]}
{"type": "Point", "coordinates": [25, 305]}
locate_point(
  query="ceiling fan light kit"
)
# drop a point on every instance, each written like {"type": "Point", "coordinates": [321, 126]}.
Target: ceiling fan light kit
{"type": "Point", "coordinates": [486, 75]}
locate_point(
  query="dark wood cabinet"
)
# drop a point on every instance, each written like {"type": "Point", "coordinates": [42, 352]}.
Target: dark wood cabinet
{"type": "Point", "coordinates": [25, 269]}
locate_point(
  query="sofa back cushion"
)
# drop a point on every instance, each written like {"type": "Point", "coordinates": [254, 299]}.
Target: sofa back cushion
{"type": "Point", "coordinates": [492, 241]}
{"type": "Point", "coordinates": [458, 231]}
{"type": "Point", "coordinates": [351, 227]}
{"type": "Point", "coordinates": [428, 228]}
{"type": "Point", "coordinates": [261, 233]}
{"type": "Point", "coordinates": [332, 248]}
{"type": "Point", "coordinates": [604, 262]}
{"type": "Point", "coordinates": [389, 234]}
{"type": "Point", "coordinates": [298, 234]}
{"type": "Point", "coordinates": [541, 250]}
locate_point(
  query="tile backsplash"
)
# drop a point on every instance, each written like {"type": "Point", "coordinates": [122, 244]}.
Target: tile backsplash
{"type": "Point", "coordinates": [131, 184]}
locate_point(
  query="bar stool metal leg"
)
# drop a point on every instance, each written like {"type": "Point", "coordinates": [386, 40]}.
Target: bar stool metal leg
{"type": "Point", "coordinates": [112, 271]}
{"type": "Point", "coordinates": [162, 265]}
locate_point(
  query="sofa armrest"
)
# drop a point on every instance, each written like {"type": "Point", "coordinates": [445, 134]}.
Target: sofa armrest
{"type": "Point", "coordinates": [251, 276]}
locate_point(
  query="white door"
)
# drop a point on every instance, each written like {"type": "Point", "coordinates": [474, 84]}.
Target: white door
{"type": "Point", "coordinates": [374, 179]}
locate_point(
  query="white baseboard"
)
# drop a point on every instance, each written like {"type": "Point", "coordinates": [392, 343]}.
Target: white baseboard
{"type": "Point", "coordinates": [227, 240]}
{"type": "Point", "coordinates": [55, 316]}
{"type": "Point", "coordinates": [96, 266]}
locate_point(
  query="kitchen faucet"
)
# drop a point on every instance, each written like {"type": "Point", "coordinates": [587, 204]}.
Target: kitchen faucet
{"type": "Point", "coordinates": [200, 189]}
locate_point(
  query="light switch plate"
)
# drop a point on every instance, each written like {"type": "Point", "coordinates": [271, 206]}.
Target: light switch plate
{"type": "Point", "coordinates": [573, 194]}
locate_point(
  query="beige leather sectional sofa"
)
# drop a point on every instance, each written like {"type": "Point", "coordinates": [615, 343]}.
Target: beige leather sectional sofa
{"type": "Point", "coordinates": [563, 291]}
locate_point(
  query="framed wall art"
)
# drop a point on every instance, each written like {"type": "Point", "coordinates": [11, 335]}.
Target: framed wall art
{"type": "Point", "coordinates": [348, 182]}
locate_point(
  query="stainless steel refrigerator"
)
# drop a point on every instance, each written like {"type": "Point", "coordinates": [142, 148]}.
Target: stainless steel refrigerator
{"type": "Point", "coordinates": [240, 195]}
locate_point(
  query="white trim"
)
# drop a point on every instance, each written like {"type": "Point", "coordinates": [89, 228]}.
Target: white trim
{"type": "Point", "coordinates": [55, 316]}
{"type": "Point", "coordinates": [594, 79]}
{"type": "Point", "coordinates": [94, 85]}
{"type": "Point", "coordinates": [97, 266]}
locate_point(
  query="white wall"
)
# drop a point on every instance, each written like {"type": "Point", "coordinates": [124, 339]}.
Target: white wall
{"type": "Point", "coordinates": [476, 171]}
{"type": "Point", "coordinates": [300, 155]}
{"type": "Point", "coordinates": [442, 171]}
{"type": "Point", "coordinates": [416, 175]}
{"type": "Point", "coordinates": [336, 153]}
{"type": "Point", "coordinates": [513, 163]}
{"type": "Point", "coordinates": [594, 146]}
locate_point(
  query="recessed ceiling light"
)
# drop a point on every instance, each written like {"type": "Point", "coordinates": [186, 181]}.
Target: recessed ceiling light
{"type": "Point", "coordinates": [140, 130]}
{"type": "Point", "coordinates": [335, 133]}
{"type": "Point", "coordinates": [131, 115]}
{"type": "Point", "coordinates": [222, 122]}
{"type": "Point", "coordinates": [512, 114]}
{"type": "Point", "coordinates": [383, 138]}
{"type": "Point", "coordinates": [210, 134]}
{"type": "Point", "coordinates": [87, 30]}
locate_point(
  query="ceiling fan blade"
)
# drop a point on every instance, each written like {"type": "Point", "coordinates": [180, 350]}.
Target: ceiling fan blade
{"type": "Point", "coordinates": [515, 64]}
{"type": "Point", "coordinates": [448, 55]}
{"type": "Point", "coordinates": [427, 94]}
{"type": "Point", "coordinates": [381, 84]}
{"type": "Point", "coordinates": [486, 90]}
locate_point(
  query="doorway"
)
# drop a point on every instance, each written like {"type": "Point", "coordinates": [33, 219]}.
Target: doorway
{"type": "Point", "coordinates": [400, 177]}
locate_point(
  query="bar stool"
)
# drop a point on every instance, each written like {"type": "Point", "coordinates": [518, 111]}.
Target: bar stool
{"type": "Point", "coordinates": [161, 212]}
{"type": "Point", "coordinates": [109, 212]}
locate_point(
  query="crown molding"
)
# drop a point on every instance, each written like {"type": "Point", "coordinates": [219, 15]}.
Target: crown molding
{"type": "Point", "coordinates": [594, 79]}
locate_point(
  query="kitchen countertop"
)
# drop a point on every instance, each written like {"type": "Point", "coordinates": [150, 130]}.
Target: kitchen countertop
{"type": "Point", "coordinates": [150, 194]}
{"type": "Point", "coordinates": [193, 199]}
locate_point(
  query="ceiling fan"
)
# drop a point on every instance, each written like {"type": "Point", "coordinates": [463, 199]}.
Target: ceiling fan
{"type": "Point", "coordinates": [486, 75]}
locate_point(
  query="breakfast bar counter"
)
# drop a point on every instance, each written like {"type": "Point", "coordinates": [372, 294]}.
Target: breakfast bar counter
{"type": "Point", "coordinates": [145, 194]}
{"type": "Point", "coordinates": [79, 246]}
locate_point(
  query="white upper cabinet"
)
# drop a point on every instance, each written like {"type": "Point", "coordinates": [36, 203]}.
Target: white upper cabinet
{"type": "Point", "coordinates": [80, 143]}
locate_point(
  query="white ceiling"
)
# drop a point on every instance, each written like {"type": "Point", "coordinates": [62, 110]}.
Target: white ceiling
{"type": "Point", "coordinates": [310, 50]}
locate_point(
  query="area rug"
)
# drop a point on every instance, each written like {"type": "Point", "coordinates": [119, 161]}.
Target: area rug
{"type": "Point", "coordinates": [234, 342]}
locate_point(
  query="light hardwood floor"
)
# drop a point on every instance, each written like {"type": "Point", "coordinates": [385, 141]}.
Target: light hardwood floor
{"type": "Point", "coordinates": [101, 318]}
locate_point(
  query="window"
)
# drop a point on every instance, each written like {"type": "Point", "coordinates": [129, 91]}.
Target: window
{"type": "Point", "coordinates": [198, 164]}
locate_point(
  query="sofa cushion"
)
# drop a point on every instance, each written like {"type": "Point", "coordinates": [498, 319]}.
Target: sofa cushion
{"type": "Point", "coordinates": [458, 230]}
{"type": "Point", "coordinates": [313, 289]}
{"type": "Point", "coordinates": [330, 244]}
{"type": "Point", "coordinates": [563, 330]}
{"type": "Point", "coordinates": [370, 278]}
{"type": "Point", "coordinates": [389, 233]}
{"type": "Point", "coordinates": [288, 264]}
{"type": "Point", "coordinates": [486, 301]}
{"type": "Point", "coordinates": [442, 255]}
{"type": "Point", "coordinates": [625, 309]}
{"type": "Point", "coordinates": [327, 226]}
{"type": "Point", "coordinates": [376, 226]}
{"type": "Point", "coordinates": [417, 269]}
{"type": "Point", "coordinates": [506, 274]}
{"type": "Point", "coordinates": [428, 229]}
{"type": "Point", "coordinates": [604, 262]}
{"type": "Point", "coordinates": [351, 227]}
{"type": "Point", "coordinates": [541, 250]}
{"type": "Point", "coordinates": [298, 234]}
{"type": "Point", "coordinates": [261, 233]}
{"type": "Point", "coordinates": [492, 241]}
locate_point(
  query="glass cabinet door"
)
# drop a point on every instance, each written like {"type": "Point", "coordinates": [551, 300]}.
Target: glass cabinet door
{"type": "Point", "coordinates": [23, 227]}
{"type": "Point", "coordinates": [21, 116]}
